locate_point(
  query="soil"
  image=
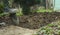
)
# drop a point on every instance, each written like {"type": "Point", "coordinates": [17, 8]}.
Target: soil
{"type": "Point", "coordinates": [37, 20]}
{"type": "Point", "coordinates": [15, 30]}
{"type": "Point", "coordinates": [32, 21]}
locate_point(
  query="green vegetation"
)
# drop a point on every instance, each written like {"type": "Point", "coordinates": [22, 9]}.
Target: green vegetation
{"type": "Point", "coordinates": [19, 12]}
{"type": "Point", "coordinates": [43, 10]}
{"type": "Point", "coordinates": [25, 7]}
{"type": "Point", "coordinates": [1, 7]}
{"type": "Point", "coordinates": [50, 29]}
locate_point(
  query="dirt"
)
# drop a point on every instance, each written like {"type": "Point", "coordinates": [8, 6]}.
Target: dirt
{"type": "Point", "coordinates": [37, 20]}
{"type": "Point", "coordinates": [33, 21]}
{"type": "Point", "coordinates": [28, 23]}
{"type": "Point", "coordinates": [15, 30]}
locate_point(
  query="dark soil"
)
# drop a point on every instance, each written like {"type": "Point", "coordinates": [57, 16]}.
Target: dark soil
{"type": "Point", "coordinates": [35, 20]}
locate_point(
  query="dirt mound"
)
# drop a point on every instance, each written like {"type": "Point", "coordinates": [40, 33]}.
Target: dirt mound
{"type": "Point", "coordinates": [35, 20]}
{"type": "Point", "coordinates": [38, 20]}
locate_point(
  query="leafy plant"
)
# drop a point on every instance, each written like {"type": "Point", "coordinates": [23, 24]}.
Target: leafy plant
{"type": "Point", "coordinates": [19, 12]}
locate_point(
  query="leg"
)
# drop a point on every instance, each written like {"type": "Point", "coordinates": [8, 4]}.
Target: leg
{"type": "Point", "coordinates": [14, 18]}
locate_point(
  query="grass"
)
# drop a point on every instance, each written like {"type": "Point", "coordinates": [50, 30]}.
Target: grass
{"type": "Point", "coordinates": [2, 14]}
{"type": "Point", "coordinates": [44, 10]}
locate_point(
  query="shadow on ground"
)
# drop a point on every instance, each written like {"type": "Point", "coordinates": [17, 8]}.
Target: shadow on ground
{"type": "Point", "coordinates": [35, 20]}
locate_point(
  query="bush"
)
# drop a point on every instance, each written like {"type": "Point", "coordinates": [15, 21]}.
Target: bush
{"type": "Point", "coordinates": [1, 7]}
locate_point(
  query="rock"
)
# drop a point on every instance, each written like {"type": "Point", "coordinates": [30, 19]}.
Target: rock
{"type": "Point", "coordinates": [2, 24]}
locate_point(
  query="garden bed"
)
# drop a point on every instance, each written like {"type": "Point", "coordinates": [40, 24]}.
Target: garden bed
{"type": "Point", "coordinates": [35, 20]}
